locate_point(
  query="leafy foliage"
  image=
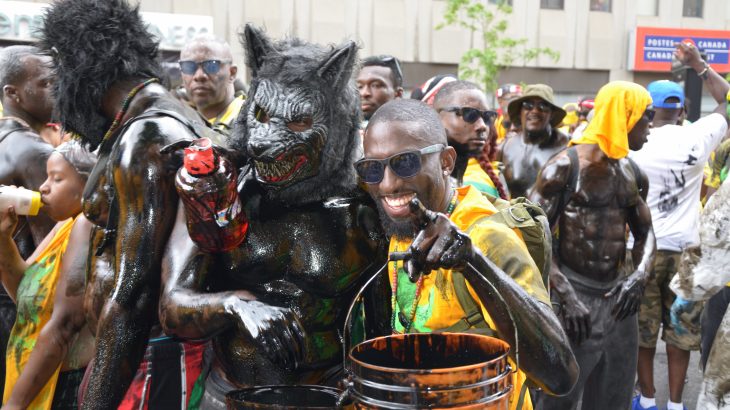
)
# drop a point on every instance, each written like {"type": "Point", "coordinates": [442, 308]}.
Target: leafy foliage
{"type": "Point", "coordinates": [482, 65]}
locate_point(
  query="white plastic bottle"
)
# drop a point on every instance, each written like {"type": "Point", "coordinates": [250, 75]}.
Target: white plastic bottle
{"type": "Point", "coordinates": [25, 201]}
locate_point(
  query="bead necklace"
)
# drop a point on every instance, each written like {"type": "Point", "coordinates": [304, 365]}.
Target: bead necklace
{"type": "Point", "coordinates": [419, 283]}
{"type": "Point", "coordinates": [125, 105]}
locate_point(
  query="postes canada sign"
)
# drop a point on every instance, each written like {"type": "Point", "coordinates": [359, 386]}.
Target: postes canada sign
{"type": "Point", "coordinates": [652, 47]}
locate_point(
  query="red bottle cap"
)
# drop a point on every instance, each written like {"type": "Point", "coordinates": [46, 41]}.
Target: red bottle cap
{"type": "Point", "coordinates": [200, 157]}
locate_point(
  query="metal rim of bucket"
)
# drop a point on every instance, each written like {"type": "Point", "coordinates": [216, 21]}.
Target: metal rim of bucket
{"type": "Point", "coordinates": [337, 393]}
{"type": "Point", "coordinates": [396, 388]}
{"type": "Point", "coordinates": [405, 406]}
{"type": "Point", "coordinates": [430, 371]}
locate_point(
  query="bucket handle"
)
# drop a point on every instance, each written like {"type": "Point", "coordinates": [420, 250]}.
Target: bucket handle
{"type": "Point", "coordinates": [396, 256]}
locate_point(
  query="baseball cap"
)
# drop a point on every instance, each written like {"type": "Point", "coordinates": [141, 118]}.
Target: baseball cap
{"type": "Point", "coordinates": [662, 90]}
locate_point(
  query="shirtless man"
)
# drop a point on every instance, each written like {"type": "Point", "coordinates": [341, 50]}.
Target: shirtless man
{"type": "Point", "coordinates": [115, 103]}
{"type": "Point", "coordinates": [591, 192]}
{"type": "Point", "coordinates": [524, 154]}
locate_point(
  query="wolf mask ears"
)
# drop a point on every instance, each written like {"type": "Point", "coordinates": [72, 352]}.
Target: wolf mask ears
{"type": "Point", "coordinates": [336, 68]}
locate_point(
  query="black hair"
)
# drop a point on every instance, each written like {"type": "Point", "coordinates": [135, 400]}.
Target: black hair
{"type": "Point", "coordinates": [387, 61]}
{"type": "Point", "coordinates": [449, 89]}
{"type": "Point", "coordinates": [94, 44]}
{"type": "Point", "coordinates": [407, 110]}
{"type": "Point", "coordinates": [12, 64]}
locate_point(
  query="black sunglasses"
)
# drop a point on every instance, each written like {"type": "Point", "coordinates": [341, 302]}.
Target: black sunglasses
{"type": "Point", "coordinates": [542, 106]}
{"type": "Point", "coordinates": [392, 63]}
{"type": "Point", "coordinates": [649, 114]}
{"type": "Point", "coordinates": [210, 67]}
{"type": "Point", "coordinates": [471, 115]}
{"type": "Point", "coordinates": [404, 164]}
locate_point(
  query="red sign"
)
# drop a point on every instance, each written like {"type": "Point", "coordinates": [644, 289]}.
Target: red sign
{"type": "Point", "coordinates": [653, 47]}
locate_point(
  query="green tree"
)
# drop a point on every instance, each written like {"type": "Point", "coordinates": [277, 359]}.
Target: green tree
{"type": "Point", "coordinates": [489, 23]}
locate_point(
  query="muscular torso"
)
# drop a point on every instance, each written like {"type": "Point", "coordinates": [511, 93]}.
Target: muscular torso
{"type": "Point", "coordinates": [523, 160]}
{"type": "Point", "coordinates": [593, 223]}
{"type": "Point", "coordinates": [310, 259]}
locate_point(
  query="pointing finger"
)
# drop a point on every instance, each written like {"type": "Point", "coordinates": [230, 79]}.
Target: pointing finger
{"type": "Point", "coordinates": [421, 215]}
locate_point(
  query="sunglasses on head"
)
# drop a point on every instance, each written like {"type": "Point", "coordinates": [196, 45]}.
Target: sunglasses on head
{"type": "Point", "coordinates": [210, 67]}
{"type": "Point", "coordinates": [542, 106]}
{"type": "Point", "coordinates": [471, 115]}
{"type": "Point", "coordinates": [404, 164]}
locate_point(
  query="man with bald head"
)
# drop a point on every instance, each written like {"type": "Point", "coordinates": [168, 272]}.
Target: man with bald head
{"type": "Point", "coordinates": [407, 165]}
{"type": "Point", "coordinates": [208, 74]}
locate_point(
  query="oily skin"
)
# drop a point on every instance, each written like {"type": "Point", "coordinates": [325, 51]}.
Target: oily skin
{"type": "Point", "coordinates": [439, 243]}
{"type": "Point", "coordinates": [524, 157]}
{"type": "Point", "coordinates": [124, 268]}
{"type": "Point", "coordinates": [210, 93]}
{"type": "Point", "coordinates": [592, 238]}
{"type": "Point", "coordinates": [376, 87]}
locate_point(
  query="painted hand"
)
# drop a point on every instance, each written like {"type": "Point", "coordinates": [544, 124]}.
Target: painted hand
{"type": "Point", "coordinates": [679, 306]}
{"type": "Point", "coordinates": [576, 320]}
{"type": "Point", "coordinates": [439, 244]}
{"type": "Point", "coordinates": [629, 292]}
{"type": "Point", "coordinates": [275, 330]}
{"type": "Point", "coordinates": [8, 222]}
{"type": "Point", "coordinates": [687, 54]}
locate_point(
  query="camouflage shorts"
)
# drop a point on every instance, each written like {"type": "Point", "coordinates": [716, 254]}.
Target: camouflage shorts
{"type": "Point", "coordinates": [655, 305]}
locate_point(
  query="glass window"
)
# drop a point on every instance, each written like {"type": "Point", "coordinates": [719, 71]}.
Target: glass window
{"type": "Point", "coordinates": [551, 4]}
{"type": "Point", "coordinates": [508, 2]}
{"type": "Point", "coordinates": [646, 7]}
{"type": "Point", "coordinates": [601, 5]}
{"type": "Point", "coordinates": [692, 8]}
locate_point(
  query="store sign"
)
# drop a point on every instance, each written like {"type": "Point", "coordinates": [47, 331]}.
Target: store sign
{"type": "Point", "coordinates": [652, 48]}
{"type": "Point", "coordinates": [20, 21]}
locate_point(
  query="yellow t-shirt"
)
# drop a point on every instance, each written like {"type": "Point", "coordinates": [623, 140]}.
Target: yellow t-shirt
{"type": "Point", "coordinates": [501, 131]}
{"type": "Point", "coordinates": [438, 307]}
{"type": "Point", "coordinates": [475, 176]}
{"type": "Point", "coordinates": [224, 122]}
{"type": "Point", "coordinates": [36, 294]}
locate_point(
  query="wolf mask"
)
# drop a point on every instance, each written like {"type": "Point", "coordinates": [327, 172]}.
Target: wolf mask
{"type": "Point", "coordinates": [299, 125]}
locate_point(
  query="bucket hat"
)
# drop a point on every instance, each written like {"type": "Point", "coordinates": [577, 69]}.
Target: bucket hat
{"type": "Point", "coordinates": [542, 91]}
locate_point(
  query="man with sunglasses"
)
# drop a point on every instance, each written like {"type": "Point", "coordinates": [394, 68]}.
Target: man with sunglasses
{"type": "Point", "coordinates": [590, 193]}
{"type": "Point", "coordinates": [674, 159]}
{"type": "Point", "coordinates": [406, 167]}
{"type": "Point", "coordinates": [525, 153]}
{"type": "Point", "coordinates": [505, 93]}
{"type": "Point", "coordinates": [208, 74]}
{"type": "Point", "coordinates": [462, 108]}
{"type": "Point", "coordinates": [380, 80]}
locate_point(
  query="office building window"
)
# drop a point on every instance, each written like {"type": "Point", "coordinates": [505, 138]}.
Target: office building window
{"type": "Point", "coordinates": [646, 7]}
{"type": "Point", "coordinates": [507, 2]}
{"type": "Point", "coordinates": [551, 4]}
{"type": "Point", "coordinates": [692, 8]}
{"type": "Point", "coordinates": [601, 5]}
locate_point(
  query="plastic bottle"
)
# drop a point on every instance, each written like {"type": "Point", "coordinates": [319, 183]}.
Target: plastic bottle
{"type": "Point", "coordinates": [206, 183]}
{"type": "Point", "coordinates": [24, 201]}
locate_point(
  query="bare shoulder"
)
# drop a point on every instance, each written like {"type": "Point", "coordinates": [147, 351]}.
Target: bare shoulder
{"type": "Point", "coordinates": [555, 173]}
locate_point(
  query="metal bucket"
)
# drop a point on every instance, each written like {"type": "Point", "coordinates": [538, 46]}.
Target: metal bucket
{"type": "Point", "coordinates": [284, 398]}
{"type": "Point", "coordinates": [431, 370]}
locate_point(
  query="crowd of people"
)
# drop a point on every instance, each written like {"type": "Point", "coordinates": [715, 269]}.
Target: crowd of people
{"type": "Point", "coordinates": [574, 233]}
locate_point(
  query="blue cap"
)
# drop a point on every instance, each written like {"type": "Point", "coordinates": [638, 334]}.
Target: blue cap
{"type": "Point", "coordinates": [662, 90]}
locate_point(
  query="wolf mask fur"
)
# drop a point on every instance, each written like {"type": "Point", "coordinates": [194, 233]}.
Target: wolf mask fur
{"type": "Point", "coordinates": [299, 125]}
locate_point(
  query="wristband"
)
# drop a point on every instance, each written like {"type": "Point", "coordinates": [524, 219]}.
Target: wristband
{"type": "Point", "coordinates": [703, 73]}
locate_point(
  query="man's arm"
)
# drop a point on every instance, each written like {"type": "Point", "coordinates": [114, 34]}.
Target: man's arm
{"type": "Point", "coordinates": [689, 55]}
{"type": "Point", "coordinates": [544, 352]}
{"type": "Point", "coordinates": [66, 322]}
{"type": "Point", "coordinates": [147, 202]}
{"type": "Point", "coordinates": [188, 312]}
{"type": "Point", "coordinates": [631, 290]}
{"type": "Point", "coordinates": [549, 193]}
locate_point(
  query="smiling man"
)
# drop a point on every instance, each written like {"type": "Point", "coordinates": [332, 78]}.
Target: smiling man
{"type": "Point", "coordinates": [208, 74]}
{"type": "Point", "coordinates": [524, 154]}
{"type": "Point", "coordinates": [407, 158]}
{"type": "Point", "coordinates": [379, 81]}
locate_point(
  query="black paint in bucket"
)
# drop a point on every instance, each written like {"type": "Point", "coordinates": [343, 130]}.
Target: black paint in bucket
{"type": "Point", "coordinates": [283, 397]}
